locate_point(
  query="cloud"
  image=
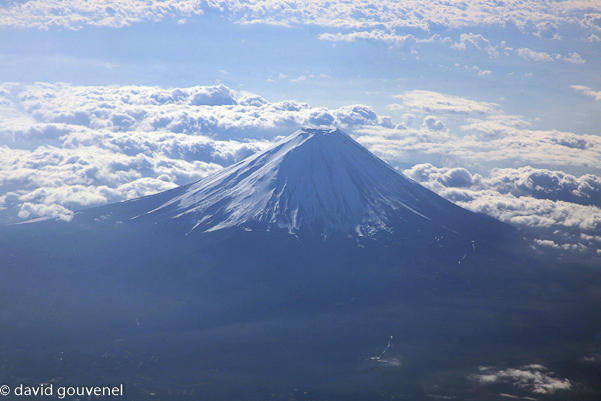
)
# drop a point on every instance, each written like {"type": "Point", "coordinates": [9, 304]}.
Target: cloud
{"type": "Point", "coordinates": [496, 141]}
{"type": "Point", "coordinates": [45, 14]}
{"type": "Point", "coordinates": [386, 21]}
{"type": "Point", "coordinates": [388, 15]}
{"type": "Point", "coordinates": [389, 38]}
{"type": "Point", "coordinates": [103, 167]}
{"type": "Point", "coordinates": [534, 378]}
{"type": "Point", "coordinates": [67, 147]}
{"type": "Point", "coordinates": [408, 118]}
{"type": "Point", "coordinates": [433, 124]}
{"type": "Point", "coordinates": [478, 42]}
{"type": "Point", "coordinates": [547, 30]}
{"type": "Point", "coordinates": [592, 20]}
{"type": "Point", "coordinates": [587, 91]}
{"type": "Point", "coordinates": [574, 58]}
{"type": "Point", "coordinates": [433, 102]}
{"type": "Point", "coordinates": [555, 209]}
{"type": "Point", "coordinates": [531, 55]}
{"type": "Point", "coordinates": [376, 35]}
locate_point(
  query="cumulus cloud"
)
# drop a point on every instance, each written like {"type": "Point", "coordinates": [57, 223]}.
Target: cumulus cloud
{"type": "Point", "coordinates": [531, 55]}
{"type": "Point", "coordinates": [434, 102]}
{"type": "Point", "coordinates": [557, 210]}
{"type": "Point", "coordinates": [478, 42]}
{"type": "Point", "coordinates": [92, 168]}
{"type": "Point", "coordinates": [385, 21]}
{"type": "Point", "coordinates": [196, 110]}
{"type": "Point", "coordinates": [44, 14]}
{"type": "Point", "coordinates": [428, 15]}
{"type": "Point", "coordinates": [534, 378]}
{"type": "Point", "coordinates": [433, 124]}
{"type": "Point", "coordinates": [66, 147]}
{"type": "Point", "coordinates": [495, 141]}
{"type": "Point", "coordinates": [591, 20]}
{"type": "Point", "coordinates": [547, 30]}
{"type": "Point", "coordinates": [574, 58]}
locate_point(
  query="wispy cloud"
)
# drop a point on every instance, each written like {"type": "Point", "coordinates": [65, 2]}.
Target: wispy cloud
{"type": "Point", "coordinates": [434, 102]}
{"type": "Point", "coordinates": [587, 91]}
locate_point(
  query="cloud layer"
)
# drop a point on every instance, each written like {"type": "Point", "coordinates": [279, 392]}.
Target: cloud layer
{"type": "Point", "coordinates": [68, 147]}
{"type": "Point", "coordinates": [65, 147]}
{"type": "Point", "coordinates": [542, 18]}
{"type": "Point", "coordinates": [560, 211]}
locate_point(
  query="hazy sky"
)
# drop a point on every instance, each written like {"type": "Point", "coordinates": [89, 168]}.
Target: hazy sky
{"type": "Point", "coordinates": [495, 105]}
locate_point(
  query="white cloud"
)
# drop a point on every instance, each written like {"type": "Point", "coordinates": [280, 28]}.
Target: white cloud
{"type": "Point", "coordinates": [389, 38]}
{"type": "Point", "coordinates": [587, 91]}
{"type": "Point", "coordinates": [542, 18]}
{"type": "Point", "coordinates": [556, 210]}
{"type": "Point", "coordinates": [547, 30]}
{"type": "Point", "coordinates": [379, 35]}
{"type": "Point", "coordinates": [498, 140]}
{"type": "Point", "coordinates": [574, 58]}
{"type": "Point", "coordinates": [591, 20]}
{"type": "Point", "coordinates": [528, 54]}
{"type": "Point", "coordinates": [68, 147]}
{"type": "Point", "coordinates": [408, 118]}
{"type": "Point", "coordinates": [594, 38]}
{"type": "Point", "coordinates": [433, 124]}
{"type": "Point", "coordinates": [434, 102]}
{"type": "Point", "coordinates": [478, 42]}
{"type": "Point", "coordinates": [44, 14]}
{"type": "Point", "coordinates": [531, 55]}
{"type": "Point", "coordinates": [534, 378]}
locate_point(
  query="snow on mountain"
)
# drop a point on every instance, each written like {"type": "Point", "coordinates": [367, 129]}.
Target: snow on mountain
{"type": "Point", "coordinates": [315, 180]}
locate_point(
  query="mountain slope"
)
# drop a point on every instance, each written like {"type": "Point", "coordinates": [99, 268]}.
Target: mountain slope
{"type": "Point", "coordinates": [318, 181]}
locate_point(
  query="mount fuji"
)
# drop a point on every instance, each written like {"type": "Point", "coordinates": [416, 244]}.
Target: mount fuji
{"type": "Point", "coordinates": [310, 271]}
{"type": "Point", "coordinates": [315, 181]}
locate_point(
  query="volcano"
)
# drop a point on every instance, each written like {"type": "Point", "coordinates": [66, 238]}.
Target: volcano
{"type": "Point", "coordinates": [310, 271]}
{"type": "Point", "coordinates": [315, 182]}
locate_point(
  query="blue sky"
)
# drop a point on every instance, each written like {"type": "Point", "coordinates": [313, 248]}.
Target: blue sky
{"type": "Point", "coordinates": [495, 105]}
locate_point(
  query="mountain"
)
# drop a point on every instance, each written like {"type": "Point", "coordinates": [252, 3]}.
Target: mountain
{"type": "Point", "coordinates": [317, 181]}
{"type": "Point", "coordinates": [309, 271]}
